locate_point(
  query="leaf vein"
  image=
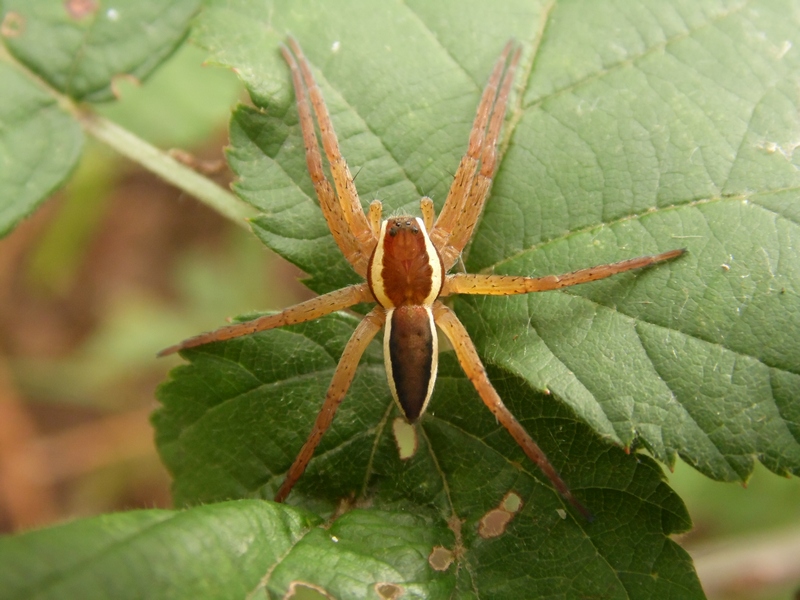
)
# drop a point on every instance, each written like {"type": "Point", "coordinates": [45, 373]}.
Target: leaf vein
{"type": "Point", "coordinates": [634, 59]}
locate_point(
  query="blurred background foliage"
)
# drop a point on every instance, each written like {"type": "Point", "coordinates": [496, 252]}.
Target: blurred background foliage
{"type": "Point", "coordinates": [118, 265]}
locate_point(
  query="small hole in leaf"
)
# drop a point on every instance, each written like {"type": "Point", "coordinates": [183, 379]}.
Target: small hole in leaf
{"type": "Point", "coordinates": [405, 437]}
{"type": "Point", "coordinates": [511, 502]}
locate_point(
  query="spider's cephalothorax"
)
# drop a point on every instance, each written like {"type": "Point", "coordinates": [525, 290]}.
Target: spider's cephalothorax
{"type": "Point", "coordinates": [405, 261]}
{"type": "Point", "coordinates": [406, 275]}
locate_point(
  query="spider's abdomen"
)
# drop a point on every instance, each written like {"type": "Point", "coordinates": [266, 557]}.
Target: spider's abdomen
{"type": "Point", "coordinates": [405, 268]}
{"type": "Point", "coordinates": [406, 275]}
{"type": "Point", "coordinates": [411, 355]}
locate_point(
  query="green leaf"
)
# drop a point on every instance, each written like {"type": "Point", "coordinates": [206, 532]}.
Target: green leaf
{"type": "Point", "coordinates": [234, 419]}
{"type": "Point", "coordinates": [637, 128]}
{"type": "Point", "coordinates": [228, 550]}
{"type": "Point", "coordinates": [40, 144]}
{"type": "Point", "coordinates": [79, 48]}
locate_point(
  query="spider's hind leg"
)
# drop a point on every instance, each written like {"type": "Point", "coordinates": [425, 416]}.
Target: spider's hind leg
{"type": "Point", "coordinates": [473, 367]}
{"type": "Point", "coordinates": [299, 313]}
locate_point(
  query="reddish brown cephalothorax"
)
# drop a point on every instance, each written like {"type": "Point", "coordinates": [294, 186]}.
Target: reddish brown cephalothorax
{"type": "Point", "coordinates": [405, 261]}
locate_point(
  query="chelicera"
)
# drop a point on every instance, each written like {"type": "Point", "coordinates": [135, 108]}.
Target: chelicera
{"type": "Point", "coordinates": [405, 261]}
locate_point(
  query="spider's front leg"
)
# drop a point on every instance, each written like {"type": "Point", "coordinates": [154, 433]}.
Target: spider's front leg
{"type": "Point", "coordinates": [472, 180]}
{"type": "Point", "coordinates": [346, 219]}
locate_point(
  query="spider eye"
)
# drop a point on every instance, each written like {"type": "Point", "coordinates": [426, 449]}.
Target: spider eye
{"type": "Point", "coordinates": [393, 230]}
{"type": "Point", "coordinates": [415, 229]}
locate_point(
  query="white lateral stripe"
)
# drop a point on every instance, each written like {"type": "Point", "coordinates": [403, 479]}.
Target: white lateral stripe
{"type": "Point", "coordinates": [387, 358]}
{"type": "Point", "coordinates": [436, 264]}
{"type": "Point", "coordinates": [377, 271]}
{"type": "Point", "coordinates": [434, 356]}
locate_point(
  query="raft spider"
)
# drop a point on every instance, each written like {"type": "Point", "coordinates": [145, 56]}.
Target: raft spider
{"type": "Point", "coordinates": [405, 261]}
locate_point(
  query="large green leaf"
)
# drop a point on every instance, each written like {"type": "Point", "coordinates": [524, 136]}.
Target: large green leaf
{"type": "Point", "coordinates": [638, 127]}
{"type": "Point", "coordinates": [230, 550]}
{"type": "Point", "coordinates": [235, 417]}
{"type": "Point", "coordinates": [77, 49]}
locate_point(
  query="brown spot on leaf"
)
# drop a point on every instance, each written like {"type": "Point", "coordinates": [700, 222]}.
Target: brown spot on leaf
{"type": "Point", "coordinates": [13, 25]}
{"type": "Point", "coordinates": [119, 79]}
{"type": "Point", "coordinates": [78, 9]}
{"type": "Point", "coordinates": [405, 438]}
{"type": "Point", "coordinates": [306, 591]}
{"type": "Point", "coordinates": [440, 558]}
{"type": "Point", "coordinates": [388, 591]}
{"type": "Point", "coordinates": [495, 521]}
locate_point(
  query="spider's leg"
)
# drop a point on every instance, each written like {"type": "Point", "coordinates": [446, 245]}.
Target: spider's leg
{"type": "Point", "coordinates": [471, 363]}
{"type": "Point", "coordinates": [331, 209]}
{"type": "Point", "coordinates": [465, 175]}
{"type": "Point", "coordinates": [299, 313]}
{"type": "Point", "coordinates": [507, 285]}
{"type": "Point", "coordinates": [345, 370]}
{"type": "Point", "coordinates": [350, 205]}
{"type": "Point", "coordinates": [462, 232]}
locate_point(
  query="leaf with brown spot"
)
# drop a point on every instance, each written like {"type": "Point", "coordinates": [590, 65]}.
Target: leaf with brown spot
{"type": "Point", "coordinates": [238, 549]}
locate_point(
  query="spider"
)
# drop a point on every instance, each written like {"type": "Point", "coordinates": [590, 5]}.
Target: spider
{"type": "Point", "coordinates": [405, 261]}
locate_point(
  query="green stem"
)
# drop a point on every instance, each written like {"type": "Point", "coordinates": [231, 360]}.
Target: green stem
{"type": "Point", "coordinates": [150, 157]}
{"type": "Point", "coordinates": [166, 167]}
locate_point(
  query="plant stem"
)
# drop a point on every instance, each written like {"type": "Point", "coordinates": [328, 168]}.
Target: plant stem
{"type": "Point", "coordinates": [166, 167]}
{"type": "Point", "coordinates": [150, 157]}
